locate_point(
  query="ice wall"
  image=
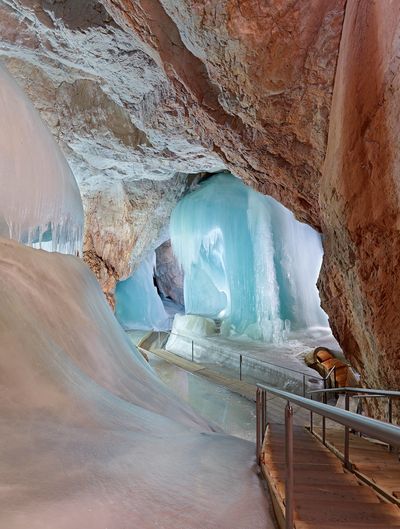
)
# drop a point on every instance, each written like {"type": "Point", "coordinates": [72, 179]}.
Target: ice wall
{"type": "Point", "coordinates": [246, 260]}
{"type": "Point", "coordinates": [138, 305]}
{"type": "Point", "coordinates": [89, 436]}
{"type": "Point", "coordinates": [39, 197]}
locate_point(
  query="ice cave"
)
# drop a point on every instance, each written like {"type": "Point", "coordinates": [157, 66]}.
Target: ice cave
{"type": "Point", "coordinates": [245, 261]}
{"type": "Point", "coordinates": [199, 255]}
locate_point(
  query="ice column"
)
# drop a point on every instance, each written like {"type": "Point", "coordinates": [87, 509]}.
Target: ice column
{"type": "Point", "coordinates": [246, 260]}
{"type": "Point", "coordinates": [39, 199]}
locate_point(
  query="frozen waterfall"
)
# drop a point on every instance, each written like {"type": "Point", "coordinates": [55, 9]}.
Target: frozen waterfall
{"type": "Point", "coordinates": [39, 200]}
{"type": "Point", "coordinates": [246, 260]}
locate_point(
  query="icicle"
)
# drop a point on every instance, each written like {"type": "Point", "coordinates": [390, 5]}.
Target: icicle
{"type": "Point", "coordinates": [38, 187]}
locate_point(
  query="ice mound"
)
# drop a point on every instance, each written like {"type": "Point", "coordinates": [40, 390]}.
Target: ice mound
{"type": "Point", "coordinates": [138, 304]}
{"type": "Point", "coordinates": [89, 436]}
{"type": "Point", "coordinates": [192, 325]}
{"type": "Point", "coordinates": [39, 199]}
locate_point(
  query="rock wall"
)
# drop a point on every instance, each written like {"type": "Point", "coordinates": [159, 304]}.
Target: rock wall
{"type": "Point", "coordinates": [168, 273]}
{"type": "Point", "coordinates": [253, 80]}
{"type": "Point", "coordinates": [360, 281]}
{"type": "Point", "coordinates": [123, 223]}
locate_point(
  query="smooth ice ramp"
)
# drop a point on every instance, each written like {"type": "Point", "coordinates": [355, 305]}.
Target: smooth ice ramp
{"type": "Point", "coordinates": [89, 436]}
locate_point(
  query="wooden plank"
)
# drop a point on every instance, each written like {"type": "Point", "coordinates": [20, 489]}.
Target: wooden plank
{"type": "Point", "coordinates": [371, 461]}
{"type": "Point", "coordinates": [325, 494]}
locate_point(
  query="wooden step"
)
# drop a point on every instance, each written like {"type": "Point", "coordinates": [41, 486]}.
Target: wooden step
{"type": "Point", "coordinates": [371, 461]}
{"type": "Point", "coordinates": [325, 495]}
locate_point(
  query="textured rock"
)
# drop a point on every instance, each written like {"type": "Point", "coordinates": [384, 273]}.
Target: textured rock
{"type": "Point", "coordinates": [123, 223]}
{"type": "Point", "coordinates": [360, 282]}
{"type": "Point", "coordinates": [168, 273]}
{"type": "Point", "coordinates": [112, 109]}
{"type": "Point", "coordinates": [255, 80]}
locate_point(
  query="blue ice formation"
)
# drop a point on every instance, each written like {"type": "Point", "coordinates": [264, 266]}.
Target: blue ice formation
{"type": "Point", "coordinates": [137, 303]}
{"type": "Point", "coordinates": [246, 260]}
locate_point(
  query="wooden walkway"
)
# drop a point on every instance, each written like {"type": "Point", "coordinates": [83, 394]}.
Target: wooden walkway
{"type": "Point", "coordinates": [371, 461]}
{"type": "Point", "coordinates": [325, 495]}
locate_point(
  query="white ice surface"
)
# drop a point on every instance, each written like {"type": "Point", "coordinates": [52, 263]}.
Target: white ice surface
{"type": "Point", "coordinates": [89, 436]}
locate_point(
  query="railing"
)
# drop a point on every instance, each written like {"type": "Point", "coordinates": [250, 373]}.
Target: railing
{"type": "Point", "coordinates": [358, 393]}
{"type": "Point", "coordinates": [385, 432]}
{"type": "Point", "coordinates": [242, 356]}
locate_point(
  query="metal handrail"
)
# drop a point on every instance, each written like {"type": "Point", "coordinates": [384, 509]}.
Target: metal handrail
{"type": "Point", "coordinates": [361, 393]}
{"type": "Point", "coordinates": [317, 376]}
{"type": "Point", "coordinates": [366, 391]}
{"type": "Point", "coordinates": [387, 433]}
{"type": "Point", "coordinates": [374, 428]}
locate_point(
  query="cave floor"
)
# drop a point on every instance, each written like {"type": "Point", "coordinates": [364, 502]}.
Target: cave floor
{"type": "Point", "coordinates": [278, 364]}
{"type": "Point", "coordinates": [228, 411]}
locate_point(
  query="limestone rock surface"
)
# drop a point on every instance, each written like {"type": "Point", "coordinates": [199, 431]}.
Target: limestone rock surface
{"type": "Point", "coordinates": [360, 194]}
{"type": "Point", "coordinates": [253, 79]}
{"type": "Point", "coordinates": [168, 273]}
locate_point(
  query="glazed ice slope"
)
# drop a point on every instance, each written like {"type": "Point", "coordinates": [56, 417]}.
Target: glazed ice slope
{"type": "Point", "coordinates": [246, 260]}
{"type": "Point", "coordinates": [89, 436]}
{"type": "Point", "coordinates": [39, 197]}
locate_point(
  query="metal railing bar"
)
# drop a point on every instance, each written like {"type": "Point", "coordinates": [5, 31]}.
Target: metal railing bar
{"type": "Point", "coordinates": [382, 431]}
{"type": "Point", "coordinates": [309, 375]}
{"type": "Point", "coordinates": [365, 391]}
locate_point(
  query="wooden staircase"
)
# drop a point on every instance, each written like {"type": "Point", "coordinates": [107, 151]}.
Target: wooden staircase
{"type": "Point", "coordinates": [326, 496]}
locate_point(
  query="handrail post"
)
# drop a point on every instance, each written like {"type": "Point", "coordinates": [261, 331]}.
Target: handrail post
{"type": "Point", "coordinates": [240, 366]}
{"type": "Point", "coordinates": [390, 411]}
{"type": "Point", "coordinates": [258, 443]}
{"type": "Point", "coordinates": [311, 417]}
{"type": "Point", "coordinates": [390, 416]}
{"type": "Point", "coordinates": [324, 400]}
{"type": "Point", "coordinates": [304, 385]}
{"type": "Point", "coordinates": [261, 420]}
{"type": "Point", "coordinates": [192, 351]}
{"type": "Point", "coordinates": [263, 413]}
{"type": "Point", "coordinates": [324, 422]}
{"type": "Point", "coordinates": [347, 463]}
{"type": "Point", "coordinates": [289, 466]}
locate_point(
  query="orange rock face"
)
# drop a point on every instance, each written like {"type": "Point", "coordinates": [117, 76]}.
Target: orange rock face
{"type": "Point", "coordinates": [360, 280]}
